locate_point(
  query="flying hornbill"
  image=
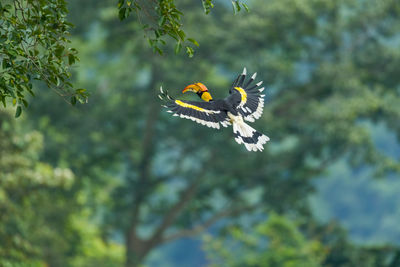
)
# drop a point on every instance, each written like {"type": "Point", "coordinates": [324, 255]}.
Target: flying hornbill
{"type": "Point", "coordinates": [245, 103]}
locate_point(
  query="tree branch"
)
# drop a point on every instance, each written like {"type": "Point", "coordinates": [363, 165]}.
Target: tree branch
{"type": "Point", "coordinates": [170, 217]}
{"type": "Point", "coordinates": [206, 224]}
{"type": "Point", "coordinates": [175, 210]}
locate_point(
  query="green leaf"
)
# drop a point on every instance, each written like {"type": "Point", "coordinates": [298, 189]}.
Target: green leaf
{"type": "Point", "coordinates": [122, 13]}
{"type": "Point", "coordinates": [189, 51]}
{"type": "Point", "coordinates": [207, 5]}
{"type": "Point", "coordinates": [29, 88]}
{"type": "Point", "coordinates": [80, 91]}
{"type": "Point", "coordinates": [173, 35]}
{"type": "Point", "coordinates": [71, 59]}
{"type": "Point", "coordinates": [120, 3]}
{"type": "Point", "coordinates": [159, 51]}
{"type": "Point", "coordinates": [178, 47]}
{"type": "Point", "coordinates": [3, 100]}
{"type": "Point", "coordinates": [59, 50]}
{"type": "Point", "coordinates": [245, 7]}
{"type": "Point", "coordinates": [182, 34]}
{"type": "Point", "coordinates": [4, 64]}
{"type": "Point", "coordinates": [18, 111]}
{"type": "Point", "coordinates": [236, 6]}
{"type": "Point", "coordinates": [25, 103]}
{"type": "Point", "coordinates": [193, 41]}
{"type": "Point", "coordinates": [162, 20]}
{"type": "Point", "coordinates": [73, 100]}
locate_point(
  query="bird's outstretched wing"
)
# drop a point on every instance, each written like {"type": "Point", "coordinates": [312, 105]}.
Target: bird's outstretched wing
{"type": "Point", "coordinates": [250, 99]}
{"type": "Point", "coordinates": [206, 113]}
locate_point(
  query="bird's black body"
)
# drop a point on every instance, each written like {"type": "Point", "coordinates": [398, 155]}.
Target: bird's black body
{"type": "Point", "coordinates": [245, 102]}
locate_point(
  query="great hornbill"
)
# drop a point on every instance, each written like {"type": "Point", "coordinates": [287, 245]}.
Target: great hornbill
{"type": "Point", "coordinates": [245, 103]}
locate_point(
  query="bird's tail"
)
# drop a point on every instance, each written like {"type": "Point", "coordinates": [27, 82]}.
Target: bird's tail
{"type": "Point", "coordinates": [251, 138]}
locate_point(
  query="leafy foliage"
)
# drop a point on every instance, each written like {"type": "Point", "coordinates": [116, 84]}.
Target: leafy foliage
{"type": "Point", "coordinates": [34, 43]}
{"type": "Point", "coordinates": [276, 242]}
{"type": "Point", "coordinates": [237, 6]}
{"type": "Point", "coordinates": [207, 5]}
{"type": "Point", "coordinates": [42, 220]}
{"type": "Point", "coordinates": [280, 241]}
{"type": "Point", "coordinates": [161, 18]}
{"type": "Point", "coordinates": [30, 193]}
{"type": "Point", "coordinates": [34, 46]}
{"type": "Point", "coordinates": [340, 251]}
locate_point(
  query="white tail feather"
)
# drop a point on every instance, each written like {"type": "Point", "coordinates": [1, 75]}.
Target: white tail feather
{"type": "Point", "coordinates": [245, 134]}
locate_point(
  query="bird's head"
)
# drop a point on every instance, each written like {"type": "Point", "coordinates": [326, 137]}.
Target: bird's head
{"type": "Point", "coordinates": [200, 89]}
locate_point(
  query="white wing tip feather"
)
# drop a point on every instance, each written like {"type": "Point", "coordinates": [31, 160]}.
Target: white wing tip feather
{"type": "Point", "coordinates": [244, 71]}
{"type": "Point", "coordinates": [254, 76]}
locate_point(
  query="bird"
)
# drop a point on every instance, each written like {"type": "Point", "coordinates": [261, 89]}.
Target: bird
{"type": "Point", "coordinates": [244, 103]}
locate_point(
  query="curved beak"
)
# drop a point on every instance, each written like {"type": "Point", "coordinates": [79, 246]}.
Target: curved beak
{"type": "Point", "coordinates": [190, 88]}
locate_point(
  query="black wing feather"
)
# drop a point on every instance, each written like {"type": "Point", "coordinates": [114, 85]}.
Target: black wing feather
{"type": "Point", "coordinates": [210, 113]}
{"type": "Point", "coordinates": [250, 101]}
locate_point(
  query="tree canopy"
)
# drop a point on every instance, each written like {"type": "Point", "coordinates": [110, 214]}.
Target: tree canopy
{"type": "Point", "coordinates": [34, 38]}
{"type": "Point", "coordinates": [35, 43]}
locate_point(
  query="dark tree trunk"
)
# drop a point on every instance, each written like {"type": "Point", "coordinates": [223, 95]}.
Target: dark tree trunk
{"type": "Point", "coordinates": [137, 248]}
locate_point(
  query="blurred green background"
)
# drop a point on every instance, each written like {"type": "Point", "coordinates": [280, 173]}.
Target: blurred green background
{"type": "Point", "coordinates": [119, 182]}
